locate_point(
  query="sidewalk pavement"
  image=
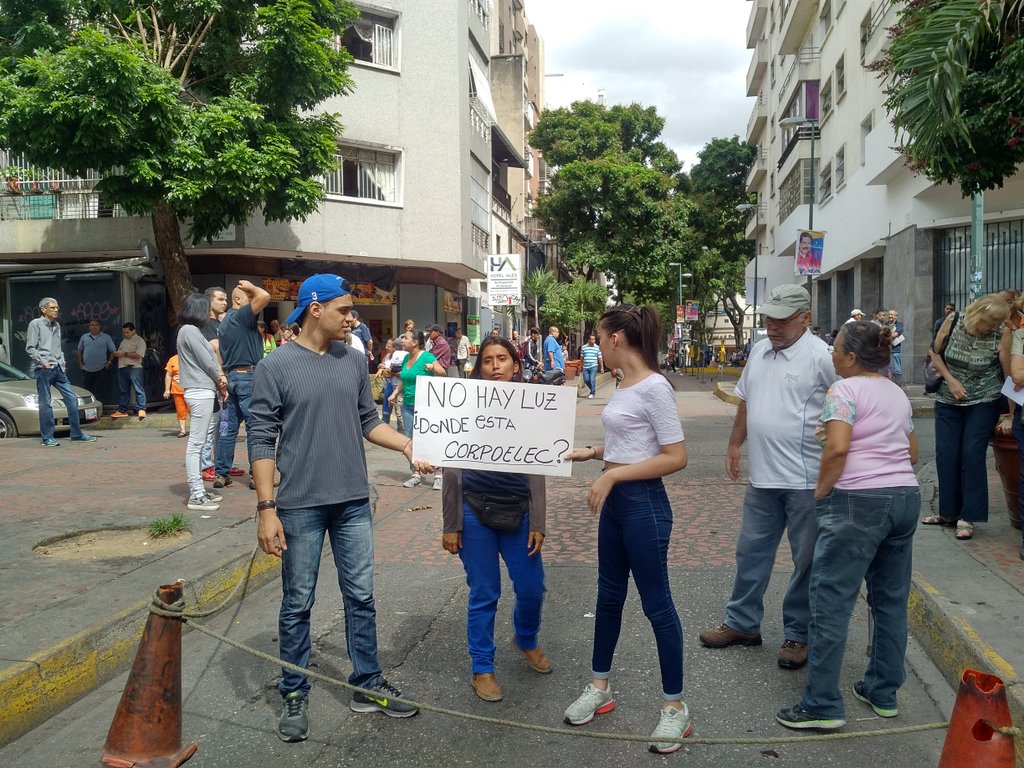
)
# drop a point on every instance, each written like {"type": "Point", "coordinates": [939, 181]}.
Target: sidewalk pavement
{"type": "Point", "coordinates": [68, 626]}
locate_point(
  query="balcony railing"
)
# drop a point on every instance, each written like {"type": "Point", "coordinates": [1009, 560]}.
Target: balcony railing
{"type": "Point", "coordinates": [482, 10]}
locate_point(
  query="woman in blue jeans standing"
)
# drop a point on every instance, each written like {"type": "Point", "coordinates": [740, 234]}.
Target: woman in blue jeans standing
{"type": "Point", "coordinates": [868, 502]}
{"type": "Point", "coordinates": [478, 539]}
{"type": "Point", "coordinates": [643, 443]}
{"type": "Point", "coordinates": [967, 407]}
{"type": "Point", "coordinates": [417, 363]}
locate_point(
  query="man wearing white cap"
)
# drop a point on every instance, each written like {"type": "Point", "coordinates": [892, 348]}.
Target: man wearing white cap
{"type": "Point", "coordinates": [311, 408]}
{"type": "Point", "coordinates": [855, 317]}
{"type": "Point", "coordinates": [782, 392]}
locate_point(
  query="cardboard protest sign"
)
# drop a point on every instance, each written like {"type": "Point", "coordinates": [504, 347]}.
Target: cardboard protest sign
{"type": "Point", "coordinates": [494, 425]}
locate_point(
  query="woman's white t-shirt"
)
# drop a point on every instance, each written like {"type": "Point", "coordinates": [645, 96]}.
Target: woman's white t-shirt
{"type": "Point", "coordinates": [639, 420]}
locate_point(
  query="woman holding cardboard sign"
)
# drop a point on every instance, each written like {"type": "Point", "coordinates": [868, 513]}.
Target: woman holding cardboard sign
{"type": "Point", "coordinates": [644, 442]}
{"type": "Point", "coordinates": [487, 514]}
{"type": "Point", "coordinates": [417, 363]}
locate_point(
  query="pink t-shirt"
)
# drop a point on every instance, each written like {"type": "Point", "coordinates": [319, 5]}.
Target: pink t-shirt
{"type": "Point", "coordinates": [882, 421]}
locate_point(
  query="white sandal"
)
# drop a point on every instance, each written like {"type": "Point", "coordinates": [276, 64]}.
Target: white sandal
{"type": "Point", "coordinates": [964, 530]}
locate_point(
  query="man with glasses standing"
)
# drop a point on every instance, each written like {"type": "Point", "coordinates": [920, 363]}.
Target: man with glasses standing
{"type": "Point", "coordinates": [782, 392]}
{"type": "Point", "coordinates": [48, 367]}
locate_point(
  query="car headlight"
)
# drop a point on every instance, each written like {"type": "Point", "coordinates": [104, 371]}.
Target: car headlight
{"type": "Point", "coordinates": [32, 401]}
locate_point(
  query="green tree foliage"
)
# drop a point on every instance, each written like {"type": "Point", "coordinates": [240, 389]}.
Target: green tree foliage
{"type": "Point", "coordinates": [577, 305]}
{"type": "Point", "coordinates": [955, 92]}
{"type": "Point", "coordinates": [538, 286]}
{"type": "Point", "coordinates": [194, 111]}
{"type": "Point", "coordinates": [719, 259]}
{"type": "Point", "coordinates": [611, 204]}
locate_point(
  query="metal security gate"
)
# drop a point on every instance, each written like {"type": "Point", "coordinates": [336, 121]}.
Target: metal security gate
{"type": "Point", "coordinates": [1002, 262]}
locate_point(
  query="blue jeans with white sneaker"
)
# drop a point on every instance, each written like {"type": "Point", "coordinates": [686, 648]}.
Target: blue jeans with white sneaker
{"type": "Point", "coordinates": [57, 378]}
{"type": "Point", "coordinates": [864, 535]}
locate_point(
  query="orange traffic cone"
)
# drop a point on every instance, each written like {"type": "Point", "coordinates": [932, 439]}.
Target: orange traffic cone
{"type": "Point", "coordinates": [972, 739]}
{"type": "Point", "coordinates": [146, 730]}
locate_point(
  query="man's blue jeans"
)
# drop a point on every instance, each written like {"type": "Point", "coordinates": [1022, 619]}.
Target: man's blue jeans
{"type": "Point", "coordinates": [237, 404]}
{"type": "Point", "coordinates": [127, 380]}
{"type": "Point", "coordinates": [350, 528]}
{"type": "Point", "coordinates": [961, 446]}
{"type": "Point", "coordinates": [55, 377]}
{"type": "Point", "coordinates": [481, 547]}
{"type": "Point", "coordinates": [385, 406]}
{"type": "Point", "coordinates": [767, 512]}
{"type": "Point", "coordinates": [632, 538]}
{"type": "Point", "coordinates": [590, 378]}
{"type": "Point", "coordinates": [863, 535]}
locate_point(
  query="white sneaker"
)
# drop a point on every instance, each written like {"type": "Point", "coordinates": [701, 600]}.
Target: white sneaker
{"type": "Point", "coordinates": [437, 482]}
{"type": "Point", "coordinates": [202, 505]}
{"type": "Point", "coordinates": [590, 397]}
{"type": "Point", "coordinates": [592, 702]}
{"type": "Point", "coordinates": [412, 482]}
{"type": "Point", "coordinates": [674, 724]}
{"type": "Point", "coordinates": [216, 498]}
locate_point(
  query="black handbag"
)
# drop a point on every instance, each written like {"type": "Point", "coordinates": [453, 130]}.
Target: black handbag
{"type": "Point", "coordinates": [500, 512]}
{"type": "Point", "coordinates": [932, 378]}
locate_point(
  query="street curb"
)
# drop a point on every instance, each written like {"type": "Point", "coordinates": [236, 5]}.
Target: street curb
{"type": "Point", "coordinates": [954, 645]}
{"type": "Point", "coordinates": [36, 689]}
{"type": "Point", "coordinates": [726, 395]}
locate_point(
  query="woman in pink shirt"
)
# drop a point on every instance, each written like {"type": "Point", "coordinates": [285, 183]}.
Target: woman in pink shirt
{"type": "Point", "coordinates": [868, 503]}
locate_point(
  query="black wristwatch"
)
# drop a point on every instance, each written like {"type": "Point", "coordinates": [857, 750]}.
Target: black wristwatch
{"type": "Point", "coordinates": [268, 504]}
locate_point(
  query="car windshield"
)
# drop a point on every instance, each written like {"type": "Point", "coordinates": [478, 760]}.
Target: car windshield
{"type": "Point", "coordinates": [9, 373]}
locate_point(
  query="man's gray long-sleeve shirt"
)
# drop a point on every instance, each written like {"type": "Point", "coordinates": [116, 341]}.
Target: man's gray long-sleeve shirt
{"type": "Point", "coordinates": [311, 412]}
{"type": "Point", "coordinates": [42, 343]}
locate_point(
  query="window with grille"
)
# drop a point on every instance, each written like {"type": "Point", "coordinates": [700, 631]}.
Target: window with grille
{"type": "Point", "coordinates": [840, 166]}
{"type": "Point", "coordinates": [825, 98]}
{"type": "Point", "coordinates": [825, 183]}
{"type": "Point", "coordinates": [366, 174]}
{"type": "Point", "coordinates": [825, 18]}
{"type": "Point", "coordinates": [841, 76]}
{"type": "Point", "coordinates": [371, 39]}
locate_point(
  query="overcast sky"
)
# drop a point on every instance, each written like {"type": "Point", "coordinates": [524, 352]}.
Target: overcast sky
{"type": "Point", "coordinates": [687, 58]}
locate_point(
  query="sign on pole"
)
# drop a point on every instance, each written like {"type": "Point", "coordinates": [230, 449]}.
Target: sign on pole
{"type": "Point", "coordinates": [497, 426]}
{"type": "Point", "coordinates": [504, 279]}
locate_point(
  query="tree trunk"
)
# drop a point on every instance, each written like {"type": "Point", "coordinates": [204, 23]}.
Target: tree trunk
{"type": "Point", "coordinates": [735, 315]}
{"type": "Point", "coordinates": [177, 275]}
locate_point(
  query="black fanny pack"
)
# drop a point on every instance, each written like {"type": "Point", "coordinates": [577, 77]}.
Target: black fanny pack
{"type": "Point", "coordinates": [498, 511]}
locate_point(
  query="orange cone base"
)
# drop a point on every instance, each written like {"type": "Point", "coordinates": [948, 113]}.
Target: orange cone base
{"type": "Point", "coordinates": [971, 740]}
{"type": "Point", "coordinates": [172, 761]}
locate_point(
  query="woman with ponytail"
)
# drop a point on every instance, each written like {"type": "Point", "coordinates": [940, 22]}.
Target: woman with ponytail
{"type": "Point", "coordinates": [643, 443]}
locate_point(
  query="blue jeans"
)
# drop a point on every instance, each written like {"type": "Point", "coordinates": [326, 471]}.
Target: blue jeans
{"type": "Point", "coordinates": [350, 527]}
{"type": "Point", "coordinates": [896, 364]}
{"type": "Point", "coordinates": [385, 406]}
{"type": "Point", "coordinates": [237, 405]}
{"type": "Point", "coordinates": [407, 424]}
{"type": "Point", "coordinates": [127, 380]}
{"type": "Point", "coordinates": [57, 378]}
{"type": "Point", "coordinates": [632, 537]}
{"type": "Point", "coordinates": [767, 512]}
{"type": "Point", "coordinates": [863, 535]}
{"type": "Point", "coordinates": [1018, 432]}
{"type": "Point", "coordinates": [590, 378]}
{"type": "Point", "coordinates": [481, 547]}
{"type": "Point", "coordinates": [961, 446]}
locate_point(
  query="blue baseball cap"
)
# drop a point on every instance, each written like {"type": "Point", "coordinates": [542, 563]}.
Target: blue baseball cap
{"type": "Point", "coordinates": [320, 288]}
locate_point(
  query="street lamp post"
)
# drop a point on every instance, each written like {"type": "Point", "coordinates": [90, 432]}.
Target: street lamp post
{"type": "Point", "coordinates": [679, 285]}
{"type": "Point", "coordinates": [812, 123]}
{"type": "Point", "coordinates": [757, 249]}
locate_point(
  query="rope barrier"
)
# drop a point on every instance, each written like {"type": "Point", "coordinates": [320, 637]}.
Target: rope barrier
{"type": "Point", "coordinates": [177, 611]}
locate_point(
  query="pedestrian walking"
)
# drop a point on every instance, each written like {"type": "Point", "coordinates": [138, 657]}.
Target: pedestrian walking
{"type": "Point", "coordinates": [896, 364]}
{"type": "Point", "coordinates": [438, 346]}
{"type": "Point", "coordinates": [311, 408]}
{"type": "Point", "coordinates": [204, 384]}
{"type": "Point", "coordinates": [554, 357]}
{"type": "Point", "coordinates": [174, 392]}
{"type": "Point", "coordinates": [48, 367]}
{"type": "Point", "coordinates": [468, 503]}
{"type": "Point", "coordinates": [868, 501]}
{"type": "Point", "coordinates": [462, 352]}
{"type": "Point", "coordinates": [240, 350]}
{"type": "Point", "coordinates": [782, 391]}
{"type": "Point", "coordinates": [591, 355]}
{"type": "Point", "coordinates": [93, 353]}
{"type": "Point", "coordinates": [643, 443]}
{"type": "Point", "coordinates": [130, 353]}
{"type": "Point", "coordinates": [416, 363]}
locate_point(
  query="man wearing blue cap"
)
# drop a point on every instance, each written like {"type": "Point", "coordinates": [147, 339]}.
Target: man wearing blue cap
{"type": "Point", "coordinates": [311, 407]}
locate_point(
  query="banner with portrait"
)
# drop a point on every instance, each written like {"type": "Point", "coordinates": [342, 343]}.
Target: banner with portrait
{"type": "Point", "coordinates": [810, 245]}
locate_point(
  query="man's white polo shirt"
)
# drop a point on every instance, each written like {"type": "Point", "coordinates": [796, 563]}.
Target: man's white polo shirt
{"type": "Point", "coordinates": [784, 392]}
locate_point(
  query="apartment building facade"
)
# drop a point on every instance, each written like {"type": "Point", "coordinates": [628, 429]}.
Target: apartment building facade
{"type": "Point", "coordinates": [410, 215]}
{"type": "Point", "coordinates": [827, 160]}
